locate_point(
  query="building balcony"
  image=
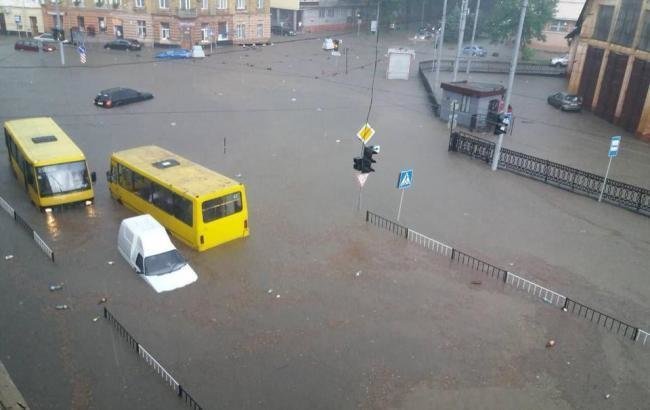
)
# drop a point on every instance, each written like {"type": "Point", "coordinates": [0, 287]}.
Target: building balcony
{"type": "Point", "coordinates": [186, 13]}
{"type": "Point", "coordinates": [139, 9]}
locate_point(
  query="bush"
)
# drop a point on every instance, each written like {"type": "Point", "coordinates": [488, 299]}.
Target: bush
{"type": "Point", "coordinates": [527, 54]}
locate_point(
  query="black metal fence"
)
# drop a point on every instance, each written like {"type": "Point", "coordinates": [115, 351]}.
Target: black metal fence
{"type": "Point", "coordinates": [627, 196]}
{"type": "Point", "coordinates": [25, 225]}
{"type": "Point", "coordinates": [570, 305]}
{"type": "Point", "coordinates": [617, 326]}
{"type": "Point", "coordinates": [491, 66]}
{"type": "Point", "coordinates": [490, 270]}
{"type": "Point", "coordinates": [382, 222]}
{"type": "Point", "coordinates": [151, 361]}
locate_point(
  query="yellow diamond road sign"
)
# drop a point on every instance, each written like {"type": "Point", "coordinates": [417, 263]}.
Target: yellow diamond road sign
{"type": "Point", "coordinates": [365, 133]}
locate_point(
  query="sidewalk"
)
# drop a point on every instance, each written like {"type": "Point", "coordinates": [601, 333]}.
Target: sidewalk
{"type": "Point", "coordinates": [10, 397]}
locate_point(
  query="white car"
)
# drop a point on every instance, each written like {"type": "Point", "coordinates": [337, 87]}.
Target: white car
{"type": "Point", "coordinates": [45, 38]}
{"type": "Point", "coordinates": [144, 243]}
{"type": "Point", "coordinates": [562, 61]}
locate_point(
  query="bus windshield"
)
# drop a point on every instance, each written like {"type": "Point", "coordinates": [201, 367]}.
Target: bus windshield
{"type": "Point", "coordinates": [62, 178]}
{"type": "Point", "coordinates": [163, 263]}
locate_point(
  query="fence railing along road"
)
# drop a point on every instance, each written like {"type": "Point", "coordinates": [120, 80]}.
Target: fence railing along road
{"type": "Point", "coordinates": [542, 293]}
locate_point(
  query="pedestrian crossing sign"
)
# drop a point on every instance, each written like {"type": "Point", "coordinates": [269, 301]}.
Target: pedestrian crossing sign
{"type": "Point", "coordinates": [365, 133]}
{"type": "Point", "coordinates": [405, 179]}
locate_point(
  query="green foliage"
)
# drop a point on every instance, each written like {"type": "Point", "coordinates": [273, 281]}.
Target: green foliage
{"type": "Point", "coordinates": [527, 54]}
{"type": "Point", "coordinates": [504, 19]}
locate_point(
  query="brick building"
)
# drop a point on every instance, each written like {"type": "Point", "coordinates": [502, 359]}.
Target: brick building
{"type": "Point", "coordinates": [610, 62]}
{"type": "Point", "coordinates": [166, 22]}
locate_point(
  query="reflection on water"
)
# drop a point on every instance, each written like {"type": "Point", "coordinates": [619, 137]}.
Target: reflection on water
{"type": "Point", "coordinates": [52, 225]}
{"type": "Point", "coordinates": [91, 212]}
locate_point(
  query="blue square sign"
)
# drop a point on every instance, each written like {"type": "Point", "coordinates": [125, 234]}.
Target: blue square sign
{"type": "Point", "coordinates": [613, 146]}
{"type": "Point", "coordinates": [405, 179]}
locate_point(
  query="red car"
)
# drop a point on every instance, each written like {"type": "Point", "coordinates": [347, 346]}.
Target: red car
{"type": "Point", "coordinates": [33, 45]}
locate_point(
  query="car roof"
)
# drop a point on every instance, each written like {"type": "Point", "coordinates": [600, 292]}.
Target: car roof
{"type": "Point", "coordinates": [115, 89]}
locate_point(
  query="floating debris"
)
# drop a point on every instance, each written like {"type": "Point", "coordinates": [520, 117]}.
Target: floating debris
{"type": "Point", "coordinates": [7, 257]}
{"type": "Point", "coordinates": [357, 274]}
{"type": "Point", "coordinates": [277, 296]}
{"type": "Point", "coordinates": [293, 99]}
{"type": "Point", "coordinates": [173, 124]}
{"type": "Point", "coordinates": [56, 287]}
{"type": "Point", "coordinates": [96, 318]}
{"type": "Point", "coordinates": [269, 291]}
{"type": "Point", "coordinates": [102, 300]}
{"type": "Point", "coordinates": [476, 282]}
{"type": "Point", "coordinates": [110, 262]}
{"type": "Point", "coordinates": [550, 343]}
{"type": "Point", "coordinates": [62, 307]}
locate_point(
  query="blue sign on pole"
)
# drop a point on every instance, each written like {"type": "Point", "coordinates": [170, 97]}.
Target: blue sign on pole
{"type": "Point", "coordinates": [613, 146]}
{"type": "Point", "coordinates": [81, 50]}
{"type": "Point", "coordinates": [405, 179]}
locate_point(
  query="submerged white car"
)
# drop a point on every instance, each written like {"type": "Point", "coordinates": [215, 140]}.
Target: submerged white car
{"type": "Point", "coordinates": [144, 243]}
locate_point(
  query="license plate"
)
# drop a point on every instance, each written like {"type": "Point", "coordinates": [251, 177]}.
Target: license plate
{"type": "Point", "coordinates": [100, 103]}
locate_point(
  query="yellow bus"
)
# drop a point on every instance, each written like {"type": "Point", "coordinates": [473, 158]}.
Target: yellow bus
{"type": "Point", "coordinates": [199, 206]}
{"type": "Point", "coordinates": [47, 163]}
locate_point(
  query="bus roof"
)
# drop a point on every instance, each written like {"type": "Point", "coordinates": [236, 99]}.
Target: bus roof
{"type": "Point", "coordinates": [34, 136]}
{"type": "Point", "coordinates": [181, 173]}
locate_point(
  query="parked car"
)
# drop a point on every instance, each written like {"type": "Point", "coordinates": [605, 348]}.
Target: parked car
{"type": "Point", "coordinates": [424, 33]}
{"type": "Point", "coordinates": [562, 61]}
{"type": "Point", "coordinates": [565, 102]}
{"type": "Point", "coordinates": [123, 44]}
{"type": "Point", "coordinates": [120, 96]}
{"type": "Point", "coordinates": [175, 53]}
{"type": "Point", "coordinates": [477, 51]}
{"type": "Point", "coordinates": [33, 45]}
{"type": "Point", "coordinates": [45, 38]}
{"type": "Point", "coordinates": [282, 31]}
{"type": "Point", "coordinates": [145, 245]}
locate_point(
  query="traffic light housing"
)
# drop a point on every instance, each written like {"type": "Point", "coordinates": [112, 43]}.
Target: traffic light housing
{"type": "Point", "coordinates": [501, 126]}
{"type": "Point", "coordinates": [364, 163]}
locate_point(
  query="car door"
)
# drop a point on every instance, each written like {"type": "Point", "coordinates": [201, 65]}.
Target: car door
{"type": "Point", "coordinates": [131, 96]}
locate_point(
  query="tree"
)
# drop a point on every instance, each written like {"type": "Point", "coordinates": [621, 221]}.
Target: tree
{"type": "Point", "coordinates": [504, 19]}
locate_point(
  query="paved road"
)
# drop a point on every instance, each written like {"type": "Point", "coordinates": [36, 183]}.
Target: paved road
{"type": "Point", "coordinates": [408, 328]}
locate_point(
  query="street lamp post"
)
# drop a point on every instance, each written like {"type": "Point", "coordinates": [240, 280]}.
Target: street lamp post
{"type": "Point", "coordinates": [469, 60]}
{"type": "Point", "coordinates": [441, 44]}
{"type": "Point", "coordinates": [58, 30]}
{"type": "Point", "coordinates": [461, 35]}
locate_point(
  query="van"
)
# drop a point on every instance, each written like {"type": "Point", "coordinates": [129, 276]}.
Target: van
{"type": "Point", "coordinates": [145, 245]}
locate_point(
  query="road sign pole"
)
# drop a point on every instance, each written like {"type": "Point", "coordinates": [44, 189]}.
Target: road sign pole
{"type": "Point", "coordinates": [359, 199]}
{"type": "Point", "coordinates": [399, 210]}
{"type": "Point", "coordinates": [600, 197]}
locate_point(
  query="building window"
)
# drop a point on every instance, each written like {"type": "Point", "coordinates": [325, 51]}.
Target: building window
{"type": "Point", "coordinates": [204, 4]}
{"type": "Point", "coordinates": [644, 41]}
{"type": "Point", "coordinates": [165, 31]}
{"type": "Point", "coordinates": [241, 4]}
{"type": "Point", "coordinates": [628, 17]}
{"type": "Point", "coordinates": [260, 4]}
{"type": "Point", "coordinates": [464, 103]}
{"type": "Point", "coordinates": [260, 30]}
{"type": "Point", "coordinates": [330, 12]}
{"type": "Point", "coordinates": [222, 4]}
{"type": "Point", "coordinates": [142, 28]}
{"type": "Point", "coordinates": [240, 31]}
{"type": "Point", "coordinates": [558, 26]}
{"type": "Point", "coordinates": [139, 4]}
{"type": "Point", "coordinates": [321, 13]}
{"type": "Point", "coordinates": [205, 31]}
{"type": "Point", "coordinates": [163, 4]}
{"type": "Point", "coordinates": [101, 22]}
{"type": "Point", "coordinates": [603, 22]}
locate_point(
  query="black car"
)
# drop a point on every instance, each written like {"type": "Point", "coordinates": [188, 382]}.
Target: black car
{"type": "Point", "coordinates": [565, 102]}
{"type": "Point", "coordinates": [282, 31]}
{"type": "Point", "coordinates": [120, 96]}
{"type": "Point", "coordinates": [124, 44]}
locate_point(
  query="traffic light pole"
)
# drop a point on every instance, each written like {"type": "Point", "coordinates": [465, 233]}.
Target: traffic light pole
{"type": "Point", "coordinates": [511, 80]}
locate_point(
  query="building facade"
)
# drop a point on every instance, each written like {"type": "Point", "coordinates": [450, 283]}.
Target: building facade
{"type": "Point", "coordinates": [313, 16]}
{"type": "Point", "coordinates": [564, 21]}
{"type": "Point", "coordinates": [21, 17]}
{"type": "Point", "coordinates": [166, 22]}
{"type": "Point", "coordinates": [610, 62]}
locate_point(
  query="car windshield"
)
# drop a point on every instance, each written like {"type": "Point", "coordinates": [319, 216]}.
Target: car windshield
{"type": "Point", "coordinates": [62, 178]}
{"type": "Point", "coordinates": [163, 263]}
{"type": "Point", "coordinates": [571, 98]}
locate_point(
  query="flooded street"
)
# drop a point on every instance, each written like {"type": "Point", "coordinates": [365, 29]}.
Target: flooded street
{"type": "Point", "coordinates": [317, 309]}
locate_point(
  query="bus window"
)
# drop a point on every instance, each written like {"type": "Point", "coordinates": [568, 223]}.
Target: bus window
{"type": "Point", "coordinates": [162, 198]}
{"type": "Point", "coordinates": [62, 178]}
{"type": "Point", "coordinates": [183, 209]}
{"type": "Point", "coordinates": [125, 178]}
{"type": "Point", "coordinates": [141, 187]}
{"type": "Point", "coordinates": [222, 206]}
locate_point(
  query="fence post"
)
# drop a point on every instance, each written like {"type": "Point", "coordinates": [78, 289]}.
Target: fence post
{"type": "Point", "coordinates": [566, 304]}
{"type": "Point", "coordinates": [105, 313]}
{"type": "Point", "coordinates": [635, 335]}
{"type": "Point", "coordinates": [453, 253]}
{"type": "Point", "coordinates": [505, 277]}
{"type": "Point", "coordinates": [406, 231]}
{"type": "Point", "coordinates": [638, 204]}
{"type": "Point", "coordinates": [367, 215]}
{"type": "Point", "coordinates": [180, 391]}
{"type": "Point", "coordinates": [546, 172]}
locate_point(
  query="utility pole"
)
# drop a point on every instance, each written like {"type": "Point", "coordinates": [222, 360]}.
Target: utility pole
{"type": "Point", "coordinates": [469, 60]}
{"type": "Point", "coordinates": [511, 80]}
{"type": "Point", "coordinates": [422, 15]}
{"type": "Point", "coordinates": [58, 30]}
{"type": "Point", "coordinates": [440, 45]}
{"type": "Point", "coordinates": [461, 34]}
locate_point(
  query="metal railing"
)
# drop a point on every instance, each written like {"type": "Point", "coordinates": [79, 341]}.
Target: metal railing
{"type": "Point", "coordinates": [464, 259]}
{"type": "Point", "coordinates": [518, 282]}
{"type": "Point", "coordinates": [491, 66]}
{"type": "Point", "coordinates": [186, 13]}
{"type": "Point", "coordinates": [423, 67]}
{"type": "Point", "coordinates": [429, 243]}
{"type": "Point", "coordinates": [471, 145]}
{"type": "Point", "coordinates": [27, 227]}
{"type": "Point", "coordinates": [617, 326]}
{"type": "Point", "coordinates": [618, 193]}
{"type": "Point", "coordinates": [534, 289]}
{"type": "Point", "coordinates": [382, 222]}
{"type": "Point", "coordinates": [151, 361]}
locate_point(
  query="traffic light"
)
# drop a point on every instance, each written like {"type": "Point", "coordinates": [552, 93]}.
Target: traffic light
{"type": "Point", "coordinates": [502, 124]}
{"type": "Point", "coordinates": [364, 163]}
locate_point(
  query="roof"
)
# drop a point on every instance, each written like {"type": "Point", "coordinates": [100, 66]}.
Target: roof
{"type": "Point", "coordinates": [186, 176]}
{"type": "Point", "coordinates": [61, 150]}
{"type": "Point", "coordinates": [151, 233]}
{"type": "Point", "coordinates": [568, 10]}
{"type": "Point", "coordinates": [474, 88]}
